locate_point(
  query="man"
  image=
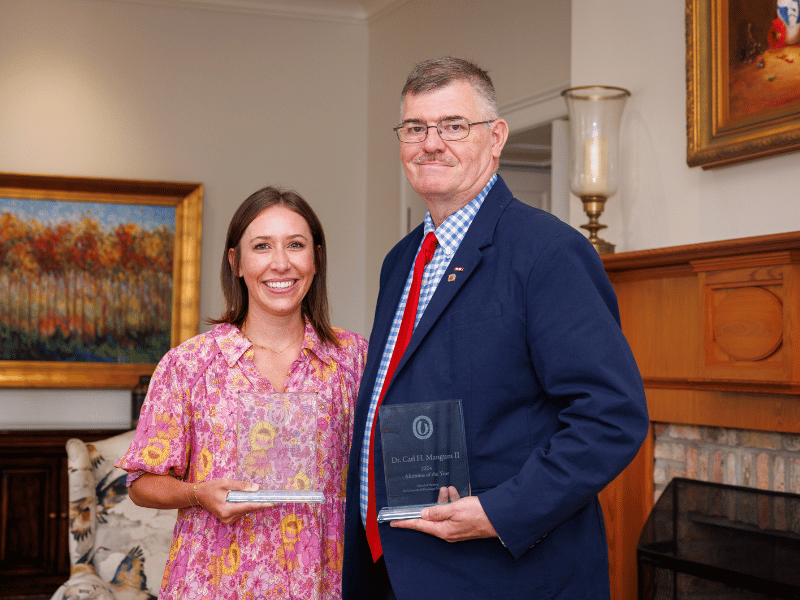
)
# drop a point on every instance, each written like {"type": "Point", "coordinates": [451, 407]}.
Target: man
{"type": "Point", "coordinates": [518, 320]}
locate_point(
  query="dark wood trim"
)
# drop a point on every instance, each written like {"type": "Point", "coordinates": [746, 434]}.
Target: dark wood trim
{"type": "Point", "coordinates": [682, 256]}
{"type": "Point", "coordinates": [25, 440]}
{"type": "Point", "coordinates": [723, 385]}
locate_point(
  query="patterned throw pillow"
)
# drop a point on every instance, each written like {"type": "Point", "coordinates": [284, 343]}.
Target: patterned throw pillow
{"type": "Point", "coordinates": [114, 544]}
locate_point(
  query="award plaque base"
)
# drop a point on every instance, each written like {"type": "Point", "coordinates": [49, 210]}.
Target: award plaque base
{"type": "Point", "coordinates": [276, 496]}
{"type": "Point", "coordinates": [401, 513]}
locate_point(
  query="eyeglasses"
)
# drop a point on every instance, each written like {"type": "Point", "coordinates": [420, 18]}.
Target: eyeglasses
{"type": "Point", "coordinates": [450, 130]}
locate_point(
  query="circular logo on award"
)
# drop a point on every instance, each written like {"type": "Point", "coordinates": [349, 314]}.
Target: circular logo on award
{"type": "Point", "coordinates": [423, 427]}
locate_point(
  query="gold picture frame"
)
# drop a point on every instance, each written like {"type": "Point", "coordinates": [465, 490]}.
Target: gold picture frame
{"type": "Point", "coordinates": [82, 223]}
{"type": "Point", "coordinates": [742, 98]}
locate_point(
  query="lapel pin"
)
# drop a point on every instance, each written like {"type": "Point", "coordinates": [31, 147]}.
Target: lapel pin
{"type": "Point", "coordinates": [451, 277]}
{"type": "Point", "coordinates": [458, 268]}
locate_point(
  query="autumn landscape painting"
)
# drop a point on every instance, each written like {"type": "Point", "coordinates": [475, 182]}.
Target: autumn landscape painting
{"type": "Point", "coordinates": [85, 281]}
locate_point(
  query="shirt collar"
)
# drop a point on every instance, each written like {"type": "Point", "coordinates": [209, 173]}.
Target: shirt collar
{"type": "Point", "coordinates": [233, 343]}
{"type": "Point", "coordinates": [452, 230]}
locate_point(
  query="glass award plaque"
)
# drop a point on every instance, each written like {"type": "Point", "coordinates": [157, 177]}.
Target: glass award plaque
{"type": "Point", "coordinates": [424, 449]}
{"type": "Point", "coordinates": [276, 435]}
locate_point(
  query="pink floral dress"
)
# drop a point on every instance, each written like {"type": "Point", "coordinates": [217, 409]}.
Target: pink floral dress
{"type": "Point", "coordinates": [187, 429]}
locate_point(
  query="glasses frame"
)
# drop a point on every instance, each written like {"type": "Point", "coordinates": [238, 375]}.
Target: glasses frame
{"type": "Point", "coordinates": [438, 129]}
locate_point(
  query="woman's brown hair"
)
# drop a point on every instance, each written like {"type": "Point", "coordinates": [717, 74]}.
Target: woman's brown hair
{"type": "Point", "coordinates": [315, 304]}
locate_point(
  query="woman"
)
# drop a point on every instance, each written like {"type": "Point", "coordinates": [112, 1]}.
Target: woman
{"type": "Point", "coordinates": [274, 336]}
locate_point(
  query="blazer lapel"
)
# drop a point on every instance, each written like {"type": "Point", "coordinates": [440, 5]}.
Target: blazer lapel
{"type": "Point", "coordinates": [467, 258]}
{"type": "Point", "coordinates": [394, 288]}
{"type": "Point", "coordinates": [388, 300]}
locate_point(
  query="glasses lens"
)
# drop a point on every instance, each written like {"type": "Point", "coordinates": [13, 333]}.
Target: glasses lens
{"type": "Point", "coordinates": [453, 129]}
{"type": "Point", "coordinates": [413, 131]}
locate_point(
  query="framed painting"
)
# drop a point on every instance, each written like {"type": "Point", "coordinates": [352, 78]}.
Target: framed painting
{"type": "Point", "coordinates": [99, 278]}
{"type": "Point", "coordinates": [742, 80]}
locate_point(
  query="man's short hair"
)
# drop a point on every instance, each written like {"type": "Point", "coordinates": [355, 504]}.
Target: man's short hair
{"type": "Point", "coordinates": [440, 72]}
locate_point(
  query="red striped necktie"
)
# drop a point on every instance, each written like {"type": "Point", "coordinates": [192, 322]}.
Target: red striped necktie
{"type": "Point", "coordinates": [403, 337]}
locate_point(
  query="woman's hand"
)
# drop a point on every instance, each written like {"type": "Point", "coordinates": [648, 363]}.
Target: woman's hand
{"type": "Point", "coordinates": [166, 492]}
{"type": "Point", "coordinates": [212, 495]}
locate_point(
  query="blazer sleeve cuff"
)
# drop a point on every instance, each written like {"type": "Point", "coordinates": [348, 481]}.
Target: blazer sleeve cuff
{"type": "Point", "coordinates": [512, 535]}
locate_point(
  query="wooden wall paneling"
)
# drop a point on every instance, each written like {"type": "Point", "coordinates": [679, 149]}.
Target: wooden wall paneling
{"type": "Point", "coordinates": [669, 302]}
{"type": "Point", "coordinates": [626, 504]}
{"type": "Point", "coordinates": [746, 331]}
{"type": "Point", "coordinates": [791, 308]}
{"type": "Point", "coordinates": [662, 337]}
{"type": "Point", "coordinates": [713, 408]}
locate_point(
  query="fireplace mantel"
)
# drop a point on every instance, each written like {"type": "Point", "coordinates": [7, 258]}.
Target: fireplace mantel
{"type": "Point", "coordinates": [714, 329]}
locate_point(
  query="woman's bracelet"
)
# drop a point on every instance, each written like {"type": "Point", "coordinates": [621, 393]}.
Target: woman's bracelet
{"type": "Point", "coordinates": [200, 504]}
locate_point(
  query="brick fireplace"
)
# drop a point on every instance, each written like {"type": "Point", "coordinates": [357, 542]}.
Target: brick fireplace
{"type": "Point", "coordinates": [756, 459]}
{"type": "Point", "coordinates": [715, 329]}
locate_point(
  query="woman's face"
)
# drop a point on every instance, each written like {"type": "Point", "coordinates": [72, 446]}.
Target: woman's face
{"type": "Point", "coordinates": [277, 262]}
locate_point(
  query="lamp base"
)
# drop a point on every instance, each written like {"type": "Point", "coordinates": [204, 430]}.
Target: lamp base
{"type": "Point", "coordinates": [602, 246]}
{"type": "Point", "coordinates": [593, 206]}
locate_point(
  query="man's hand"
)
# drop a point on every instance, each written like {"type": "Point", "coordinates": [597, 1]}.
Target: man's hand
{"type": "Point", "coordinates": [459, 520]}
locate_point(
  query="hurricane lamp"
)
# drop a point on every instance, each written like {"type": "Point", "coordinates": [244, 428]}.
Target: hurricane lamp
{"type": "Point", "coordinates": [594, 118]}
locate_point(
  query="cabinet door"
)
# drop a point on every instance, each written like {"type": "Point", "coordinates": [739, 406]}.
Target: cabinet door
{"type": "Point", "coordinates": [29, 514]}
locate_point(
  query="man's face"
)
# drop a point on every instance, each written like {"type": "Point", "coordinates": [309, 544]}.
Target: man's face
{"type": "Point", "coordinates": [450, 174]}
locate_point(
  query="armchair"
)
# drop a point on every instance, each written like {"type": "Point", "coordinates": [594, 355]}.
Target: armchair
{"type": "Point", "coordinates": [117, 550]}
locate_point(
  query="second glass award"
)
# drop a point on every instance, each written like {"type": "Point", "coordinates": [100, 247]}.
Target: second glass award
{"type": "Point", "coordinates": [424, 449]}
{"type": "Point", "coordinates": [277, 447]}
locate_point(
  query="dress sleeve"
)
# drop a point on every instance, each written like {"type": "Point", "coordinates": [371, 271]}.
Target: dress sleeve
{"type": "Point", "coordinates": [359, 360]}
{"type": "Point", "coordinates": [352, 359]}
{"type": "Point", "coordinates": [363, 345]}
{"type": "Point", "coordinates": [161, 442]}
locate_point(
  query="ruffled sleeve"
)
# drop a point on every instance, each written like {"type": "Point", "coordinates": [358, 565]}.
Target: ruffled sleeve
{"type": "Point", "coordinates": [161, 444]}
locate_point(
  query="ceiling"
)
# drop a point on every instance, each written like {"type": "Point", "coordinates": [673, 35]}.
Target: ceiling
{"type": "Point", "coordinates": [367, 5]}
{"type": "Point", "coordinates": [336, 9]}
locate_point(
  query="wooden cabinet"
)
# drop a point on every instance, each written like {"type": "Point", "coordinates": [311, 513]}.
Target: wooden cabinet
{"type": "Point", "coordinates": [34, 519]}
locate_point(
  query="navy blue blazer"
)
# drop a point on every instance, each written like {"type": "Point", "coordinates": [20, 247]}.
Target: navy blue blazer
{"type": "Point", "coordinates": [527, 335]}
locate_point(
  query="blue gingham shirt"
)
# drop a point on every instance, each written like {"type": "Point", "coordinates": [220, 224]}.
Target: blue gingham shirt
{"type": "Point", "coordinates": [449, 236]}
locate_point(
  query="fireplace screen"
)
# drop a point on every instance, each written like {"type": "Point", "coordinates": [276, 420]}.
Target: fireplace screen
{"type": "Point", "coordinates": [708, 540]}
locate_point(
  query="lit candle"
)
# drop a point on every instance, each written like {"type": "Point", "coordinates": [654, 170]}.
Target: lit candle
{"type": "Point", "coordinates": [595, 165]}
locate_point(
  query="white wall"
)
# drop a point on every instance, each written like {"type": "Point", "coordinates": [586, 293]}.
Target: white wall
{"type": "Point", "coordinates": [662, 202]}
{"type": "Point", "coordinates": [233, 101]}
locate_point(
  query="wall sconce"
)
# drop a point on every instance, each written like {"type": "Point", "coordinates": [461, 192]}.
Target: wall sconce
{"type": "Point", "coordinates": [594, 116]}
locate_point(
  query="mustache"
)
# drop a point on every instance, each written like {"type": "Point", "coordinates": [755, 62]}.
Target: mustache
{"type": "Point", "coordinates": [434, 157]}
